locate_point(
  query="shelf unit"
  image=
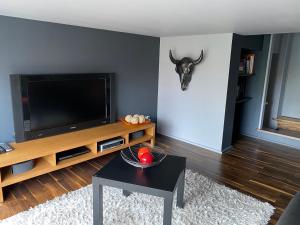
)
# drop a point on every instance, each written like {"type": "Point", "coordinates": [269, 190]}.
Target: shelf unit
{"type": "Point", "coordinates": [246, 75]}
{"type": "Point", "coordinates": [242, 100]}
{"type": "Point", "coordinates": [242, 95]}
{"type": "Point", "coordinates": [242, 83]}
{"type": "Point", "coordinates": [43, 151]}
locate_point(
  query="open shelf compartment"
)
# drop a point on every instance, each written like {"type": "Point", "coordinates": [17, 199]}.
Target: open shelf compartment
{"type": "Point", "coordinates": [41, 166]}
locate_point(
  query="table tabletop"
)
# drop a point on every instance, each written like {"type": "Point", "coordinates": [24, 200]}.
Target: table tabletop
{"type": "Point", "coordinates": [162, 177]}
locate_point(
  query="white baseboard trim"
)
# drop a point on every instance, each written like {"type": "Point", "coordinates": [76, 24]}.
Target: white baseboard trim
{"type": "Point", "coordinates": [278, 134]}
{"type": "Point", "coordinates": [192, 143]}
{"type": "Point", "coordinates": [269, 140]}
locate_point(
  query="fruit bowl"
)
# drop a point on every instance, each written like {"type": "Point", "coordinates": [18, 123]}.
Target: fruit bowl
{"type": "Point", "coordinates": [131, 156]}
{"type": "Point", "coordinates": [122, 119]}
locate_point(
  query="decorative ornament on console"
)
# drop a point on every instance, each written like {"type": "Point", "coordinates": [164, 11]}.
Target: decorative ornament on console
{"type": "Point", "coordinates": [135, 119]}
{"type": "Point", "coordinates": [143, 156]}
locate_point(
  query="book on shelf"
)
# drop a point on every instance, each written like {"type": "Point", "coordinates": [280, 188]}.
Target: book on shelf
{"type": "Point", "coordinates": [250, 59]}
{"type": "Point", "coordinates": [246, 65]}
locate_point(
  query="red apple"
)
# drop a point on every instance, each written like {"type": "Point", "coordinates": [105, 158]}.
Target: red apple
{"type": "Point", "coordinates": [143, 150]}
{"type": "Point", "coordinates": [146, 158]}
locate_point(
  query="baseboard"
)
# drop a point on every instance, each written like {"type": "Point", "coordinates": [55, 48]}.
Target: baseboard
{"type": "Point", "coordinates": [192, 143]}
{"type": "Point", "coordinates": [278, 134]}
{"type": "Point", "coordinates": [269, 140]}
{"type": "Point", "coordinates": [227, 149]}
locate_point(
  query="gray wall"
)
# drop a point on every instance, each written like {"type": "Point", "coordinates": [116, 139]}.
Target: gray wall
{"type": "Point", "coordinates": [291, 95]}
{"type": "Point", "coordinates": [252, 108]}
{"type": "Point", "coordinates": [28, 46]}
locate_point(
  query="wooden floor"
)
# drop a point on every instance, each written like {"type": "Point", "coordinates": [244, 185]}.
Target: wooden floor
{"type": "Point", "coordinates": [266, 171]}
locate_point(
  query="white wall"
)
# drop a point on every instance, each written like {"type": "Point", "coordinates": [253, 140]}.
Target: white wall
{"type": "Point", "coordinates": [196, 115]}
{"type": "Point", "coordinates": [291, 96]}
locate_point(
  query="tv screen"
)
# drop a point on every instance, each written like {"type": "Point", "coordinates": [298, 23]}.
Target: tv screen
{"type": "Point", "coordinates": [53, 104]}
{"type": "Point", "coordinates": [61, 103]}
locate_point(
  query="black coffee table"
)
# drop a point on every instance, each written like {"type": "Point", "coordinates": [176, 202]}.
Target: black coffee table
{"type": "Point", "coordinates": [160, 181]}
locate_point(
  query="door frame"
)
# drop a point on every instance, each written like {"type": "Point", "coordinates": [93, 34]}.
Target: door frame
{"type": "Point", "coordinates": [266, 84]}
{"type": "Point", "coordinates": [285, 50]}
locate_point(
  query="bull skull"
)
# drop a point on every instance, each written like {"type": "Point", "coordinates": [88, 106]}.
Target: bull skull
{"type": "Point", "coordinates": [185, 67]}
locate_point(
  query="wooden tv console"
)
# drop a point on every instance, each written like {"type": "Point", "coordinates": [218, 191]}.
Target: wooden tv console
{"type": "Point", "coordinates": [43, 151]}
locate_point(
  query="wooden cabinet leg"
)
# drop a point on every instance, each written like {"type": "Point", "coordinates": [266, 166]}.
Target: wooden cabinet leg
{"type": "Point", "coordinates": [151, 132]}
{"type": "Point", "coordinates": [1, 188]}
{"type": "Point", "coordinates": [1, 195]}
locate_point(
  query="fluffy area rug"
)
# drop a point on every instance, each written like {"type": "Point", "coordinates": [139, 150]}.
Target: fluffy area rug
{"type": "Point", "coordinates": [206, 203]}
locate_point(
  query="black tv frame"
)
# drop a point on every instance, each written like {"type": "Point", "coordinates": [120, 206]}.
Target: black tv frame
{"type": "Point", "coordinates": [18, 90]}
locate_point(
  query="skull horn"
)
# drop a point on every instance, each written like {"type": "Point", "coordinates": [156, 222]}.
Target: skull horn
{"type": "Point", "coordinates": [197, 61]}
{"type": "Point", "coordinates": [173, 60]}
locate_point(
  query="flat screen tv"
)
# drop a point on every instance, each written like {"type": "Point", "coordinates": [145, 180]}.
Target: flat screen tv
{"type": "Point", "coordinates": [45, 105]}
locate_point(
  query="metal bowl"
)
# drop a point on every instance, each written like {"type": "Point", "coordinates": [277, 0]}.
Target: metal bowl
{"type": "Point", "coordinates": [130, 155]}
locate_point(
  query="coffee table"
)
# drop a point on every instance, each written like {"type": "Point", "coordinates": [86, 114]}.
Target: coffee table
{"type": "Point", "coordinates": [160, 181]}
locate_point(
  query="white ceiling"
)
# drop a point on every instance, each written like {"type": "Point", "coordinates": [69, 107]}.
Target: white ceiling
{"type": "Point", "coordinates": [164, 17]}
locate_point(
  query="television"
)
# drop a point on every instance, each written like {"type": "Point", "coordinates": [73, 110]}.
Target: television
{"type": "Point", "coordinates": [45, 105]}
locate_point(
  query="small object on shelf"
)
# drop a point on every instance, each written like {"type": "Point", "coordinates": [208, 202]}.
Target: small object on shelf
{"type": "Point", "coordinates": [111, 143]}
{"type": "Point", "coordinates": [136, 134]}
{"type": "Point", "coordinates": [246, 66]}
{"type": "Point", "coordinates": [22, 167]}
{"type": "Point", "coordinates": [4, 147]}
{"type": "Point", "coordinates": [241, 67]}
{"type": "Point", "coordinates": [141, 118]}
{"type": "Point", "coordinates": [135, 119]}
{"type": "Point", "coordinates": [128, 118]}
{"type": "Point", "coordinates": [130, 155]}
{"type": "Point", "coordinates": [250, 59]}
{"type": "Point", "coordinates": [71, 153]}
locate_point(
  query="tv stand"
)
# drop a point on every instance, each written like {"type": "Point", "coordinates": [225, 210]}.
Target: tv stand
{"type": "Point", "coordinates": [43, 151]}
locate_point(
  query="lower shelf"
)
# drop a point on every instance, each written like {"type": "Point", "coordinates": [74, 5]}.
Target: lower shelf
{"type": "Point", "coordinates": [42, 166]}
{"type": "Point", "coordinates": [242, 100]}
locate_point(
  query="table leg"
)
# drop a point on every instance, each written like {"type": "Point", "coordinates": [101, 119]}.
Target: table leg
{"type": "Point", "coordinates": [97, 204]}
{"type": "Point", "coordinates": [180, 190]}
{"type": "Point", "coordinates": [168, 203]}
{"type": "Point", "coordinates": [126, 193]}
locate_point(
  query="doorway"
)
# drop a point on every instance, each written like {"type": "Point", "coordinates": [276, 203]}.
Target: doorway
{"type": "Point", "coordinates": [281, 104]}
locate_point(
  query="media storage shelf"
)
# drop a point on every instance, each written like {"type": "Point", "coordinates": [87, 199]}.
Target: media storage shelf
{"type": "Point", "coordinates": [43, 151]}
{"type": "Point", "coordinates": [41, 166]}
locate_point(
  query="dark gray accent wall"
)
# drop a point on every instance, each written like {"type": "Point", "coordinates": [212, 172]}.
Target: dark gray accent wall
{"type": "Point", "coordinates": [35, 47]}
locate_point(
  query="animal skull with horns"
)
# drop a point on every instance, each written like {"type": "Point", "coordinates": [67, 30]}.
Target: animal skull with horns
{"type": "Point", "coordinates": [185, 67]}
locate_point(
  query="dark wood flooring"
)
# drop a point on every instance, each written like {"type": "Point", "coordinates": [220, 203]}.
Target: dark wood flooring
{"type": "Point", "coordinates": [266, 171]}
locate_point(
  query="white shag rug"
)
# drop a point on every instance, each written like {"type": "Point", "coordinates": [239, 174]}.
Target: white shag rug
{"type": "Point", "coordinates": [206, 203]}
